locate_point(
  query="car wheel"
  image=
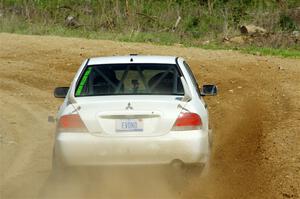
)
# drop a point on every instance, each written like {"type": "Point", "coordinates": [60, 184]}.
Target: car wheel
{"type": "Point", "coordinates": [181, 175]}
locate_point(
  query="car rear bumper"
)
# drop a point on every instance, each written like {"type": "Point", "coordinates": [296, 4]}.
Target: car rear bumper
{"type": "Point", "coordinates": [85, 149]}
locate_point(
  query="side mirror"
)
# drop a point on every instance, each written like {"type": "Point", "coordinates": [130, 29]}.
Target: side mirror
{"type": "Point", "coordinates": [209, 90]}
{"type": "Point", "coordinates": [61, 92]}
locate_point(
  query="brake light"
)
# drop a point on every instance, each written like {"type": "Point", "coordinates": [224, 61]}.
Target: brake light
{"type": "Point", "coordinates": [71, 123]}
{"type": "Point", "coordinates": [187, 121]}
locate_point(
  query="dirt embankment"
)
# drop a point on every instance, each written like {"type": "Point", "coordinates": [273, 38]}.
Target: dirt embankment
{"type": "Point", "coordinates": [256, 120]}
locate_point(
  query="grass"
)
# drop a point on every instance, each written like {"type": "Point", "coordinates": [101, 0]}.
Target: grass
{"type": "Point", "coordinates": [201, 24]}
{"type": "Point", "coordinates": [254, 50]}
{"type": "Point", "coordinates": [290, 53]}
{"type": "Point", "coordinates": [15, 25]}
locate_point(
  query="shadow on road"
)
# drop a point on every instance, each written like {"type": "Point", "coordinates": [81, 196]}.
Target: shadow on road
{"type": "Point", "coordinates": [116, 182]}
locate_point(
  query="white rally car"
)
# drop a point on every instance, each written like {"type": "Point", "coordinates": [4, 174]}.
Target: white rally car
{"type": "Point", "coordinates": [132, 110]}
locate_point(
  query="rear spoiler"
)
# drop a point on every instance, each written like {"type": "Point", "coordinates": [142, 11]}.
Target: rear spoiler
{"type": "Point", "coordinates": [187, 93]}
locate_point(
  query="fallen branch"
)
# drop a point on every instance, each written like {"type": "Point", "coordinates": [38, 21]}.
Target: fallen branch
{"type": "Point", "coordinates": [176, 23]}
{"type": "Point", "coordinates": [154, 18]}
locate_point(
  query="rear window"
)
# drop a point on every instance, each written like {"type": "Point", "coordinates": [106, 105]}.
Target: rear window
{"type": "Point", "coordinates": [130, 79]}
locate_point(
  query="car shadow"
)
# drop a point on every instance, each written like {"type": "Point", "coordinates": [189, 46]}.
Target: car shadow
{"type": "Point", "coordinates": [116, 182]}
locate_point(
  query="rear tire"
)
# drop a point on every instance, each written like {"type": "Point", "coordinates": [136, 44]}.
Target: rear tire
{"type": "Point", "coordinates": [181, 175]}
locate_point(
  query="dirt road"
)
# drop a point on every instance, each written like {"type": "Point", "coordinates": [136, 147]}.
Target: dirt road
{"type": "Point", "coordinates": [256, 120]}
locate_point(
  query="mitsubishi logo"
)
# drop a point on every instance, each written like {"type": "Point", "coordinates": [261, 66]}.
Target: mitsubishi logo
{"type": "Point", "coordinates": [129, 107]}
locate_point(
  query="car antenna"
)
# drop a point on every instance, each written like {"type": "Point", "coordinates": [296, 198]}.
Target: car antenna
{"type": "Point", "coordinates": [131, 59]}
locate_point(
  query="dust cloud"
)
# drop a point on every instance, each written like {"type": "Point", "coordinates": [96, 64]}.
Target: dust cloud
{"type": "Point", "coordinates": [115, 182]}
{"type": "Point", "coordinates": [232, 167]}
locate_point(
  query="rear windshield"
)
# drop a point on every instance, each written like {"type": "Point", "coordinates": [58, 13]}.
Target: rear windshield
{"type": "Point", "coordinates": [130, 79]}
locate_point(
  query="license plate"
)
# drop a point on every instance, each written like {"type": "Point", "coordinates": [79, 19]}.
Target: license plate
{"type": "Point", "coordinates": [126, 125]}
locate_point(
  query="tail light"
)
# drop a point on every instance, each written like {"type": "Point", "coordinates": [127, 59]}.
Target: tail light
{"type": "Point", "coordinates": [187, 121]}
{"type": "Point", "coordinates": [71, 123]}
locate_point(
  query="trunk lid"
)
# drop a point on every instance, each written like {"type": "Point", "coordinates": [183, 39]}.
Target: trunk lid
{"type": "Point", "coordinates": [129, 115]}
